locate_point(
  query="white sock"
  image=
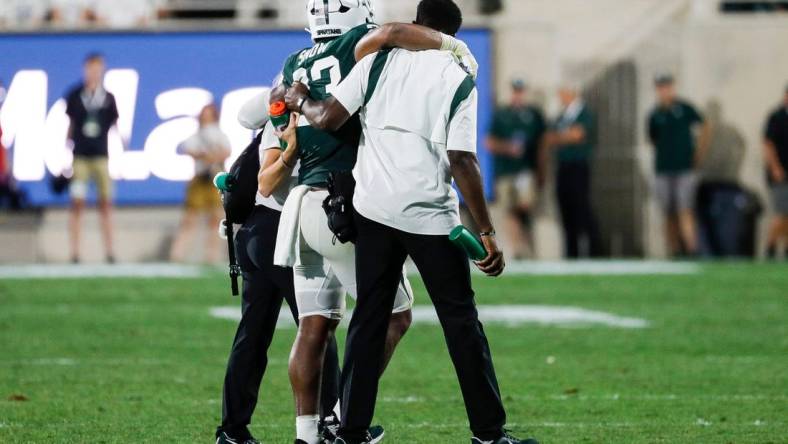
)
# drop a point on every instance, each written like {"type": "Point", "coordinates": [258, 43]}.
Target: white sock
{"type": "Point", "coordinates": [306, 429]}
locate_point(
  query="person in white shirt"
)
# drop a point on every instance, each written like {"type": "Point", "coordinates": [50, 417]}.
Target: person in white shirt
{"type": "Point", "coordinates": [124, 14]}
{"type": "Point", "coordinates": [209, 148]}
{"type": "Point", "coordinates": [72, 13]}
{"type": "Point", "coordinates": [23, 14]}
{"type": "Point", "coordinates": [418, 115]}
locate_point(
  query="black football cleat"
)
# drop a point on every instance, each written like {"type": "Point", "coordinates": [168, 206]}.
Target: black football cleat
{"type": "Point", "coordinates": [505, 439]}
{"type": "Point", "coordinates": [374, 436]}
{"type": "Point", "coordinates": [224, 438]}
{"type": "Point", "coordinates": [328, 428]}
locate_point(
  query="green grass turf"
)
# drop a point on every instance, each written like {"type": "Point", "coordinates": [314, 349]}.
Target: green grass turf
{"type": "Point", "coordinates": [136, 360]}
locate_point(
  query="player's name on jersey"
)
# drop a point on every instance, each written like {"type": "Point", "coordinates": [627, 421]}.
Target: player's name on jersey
{"type": "Point", "coordinates": [316, 50]}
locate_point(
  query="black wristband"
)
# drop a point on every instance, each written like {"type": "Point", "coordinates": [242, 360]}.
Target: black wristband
{"type": "Point", "coordinates": [487, 233]}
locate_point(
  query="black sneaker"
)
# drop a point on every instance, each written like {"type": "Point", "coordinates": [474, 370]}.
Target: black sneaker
{"type": "Point", "coordinates": [224, 438]}
{"type": "Point", "coordinates": [374, 436]}
{"type": "Point", "coordinates": [328, 428]}
{"type": "Point", "coordinates": [505, 439]}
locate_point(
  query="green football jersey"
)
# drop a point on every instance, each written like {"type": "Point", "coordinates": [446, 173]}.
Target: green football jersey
{"type": "Point", "coordinates": [324, 66]}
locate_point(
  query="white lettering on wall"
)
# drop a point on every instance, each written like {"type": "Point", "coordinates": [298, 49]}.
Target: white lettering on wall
{"type": "Point", "coordinates": [181, 106]}
{"type": "Point", "coordinates": [39, 138]}
{"type": "Point", "coordinates": [231, 105]}
{"type": "Point", "coordinates": [22, 118]}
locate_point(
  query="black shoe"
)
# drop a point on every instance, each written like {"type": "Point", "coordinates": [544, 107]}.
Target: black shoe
{"type": "Point", "coordinates": [505, 439]}
{"type": "Point", "coordinates": [224, 438]}
{"type": "Point", "coordinates": [374, 436]}
{"type": "Point", "coordinates": [300, 441]}
{"type": "Point", "coordinates": [328, 428]}
{"type": "Point", "coordinates": [110, 259]}
{"type": "Point", "coordinates": [75, 260]}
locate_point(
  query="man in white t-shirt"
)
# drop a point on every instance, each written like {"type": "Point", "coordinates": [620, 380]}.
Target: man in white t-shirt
{"type": "Point", "coordinates": [23, 14]}
{"type": "Point", "coordinates": [418, 115]}
{"type": "Point", "coordinates": [124, 14]}
{"type": "Point", "coordinates": [72, 13]}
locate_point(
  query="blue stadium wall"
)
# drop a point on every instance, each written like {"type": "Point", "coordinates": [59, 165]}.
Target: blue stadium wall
{"type": "Point", "coordinates": [217, 62]}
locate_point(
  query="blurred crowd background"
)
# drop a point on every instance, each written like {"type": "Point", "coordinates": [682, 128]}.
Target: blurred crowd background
{"type": "Point", "coordinates": [615, 128]}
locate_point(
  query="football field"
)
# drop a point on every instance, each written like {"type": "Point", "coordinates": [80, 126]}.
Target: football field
{"type": "Point", "coordinates": [697, 354]}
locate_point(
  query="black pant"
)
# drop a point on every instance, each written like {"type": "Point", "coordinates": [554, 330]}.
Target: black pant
{"type": "Point", "coordinates": [265, 286]}
{"type": "Point", "coordinates": [380, 255]}
{"type": "Point", "coordinates": [9, 192]}
{"type": "Point", "coordinates": [577, 216]}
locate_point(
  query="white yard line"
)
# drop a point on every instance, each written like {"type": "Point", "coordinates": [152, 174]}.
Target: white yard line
{"type": "Point", "coordinates": [509, 315]}
{"type": "Point", "coordinates": [600, 268]}
{"type": "Point", "coordinates": [100, 271]}
{"type": "Point", "coordinates": [530, 268]}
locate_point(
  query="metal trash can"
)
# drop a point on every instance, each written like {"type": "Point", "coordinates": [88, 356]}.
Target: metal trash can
{"type": "Point", "coordinates": [728, 219]}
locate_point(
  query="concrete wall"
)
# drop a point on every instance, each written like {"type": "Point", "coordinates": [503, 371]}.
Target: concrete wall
{"type": "Point", "coordinates": [732, 67]}
{"type": "Point", "coordinates": [142, 235]}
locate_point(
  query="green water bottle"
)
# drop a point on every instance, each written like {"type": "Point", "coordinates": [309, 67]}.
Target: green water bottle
{"type": "Point", "coordinates": [469, 243]}
{"type": "Point", "coordinates": [280, 119]}
{"type": "Point", "coordinates": [224, 182]}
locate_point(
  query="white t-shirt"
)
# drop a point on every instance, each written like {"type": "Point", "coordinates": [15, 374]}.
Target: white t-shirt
{"type": "Point", "coordinates": [278, 198]}
{"type": "Point", "coordinates": [17, 14]}
{"type": "Point", "coordinates": [423, 105]}
{"type": "Point", "coordinates": [126, 13]}
{"type": "Point", "coordinates": [207, 140]}
{"type": "Point", "coordinates": [71, 11]}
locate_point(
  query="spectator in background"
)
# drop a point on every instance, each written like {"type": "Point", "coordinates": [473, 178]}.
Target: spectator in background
{"type": "Point", "coordinates": [513, 140]}
{"type": "Point", "coordinates": [23, 14]}
{"type": "Point", "coordinates": [92, 112]}
{"type": "Point", "coordinates": [572, 140]}
{"type": "Point", "coordinates": [776, 153]}
{"type": "Point", "coordinates": [727, 147]}
{"type": "Point", "coordinates": [8, 189]}
{"type": "Point", "coordinates": [209, 147]}
{"type": "Point", "coordinates": [72, 13]}
{"type": "Point", "coordinates": [672, 127]}
{"type": "Point", "coordinates": [120, 14]}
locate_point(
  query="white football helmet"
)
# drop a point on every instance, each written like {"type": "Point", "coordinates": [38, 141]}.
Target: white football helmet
{"type": "Point", "coordinates": [332, 18]}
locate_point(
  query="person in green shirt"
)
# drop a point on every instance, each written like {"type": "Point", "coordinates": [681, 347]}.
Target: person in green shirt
{"type": "Point", "coordinates": [513, 140]}
{"type": "Point", "coordinates": [572, 140]}
{"type": "Point", "coordinates": [672, 127]}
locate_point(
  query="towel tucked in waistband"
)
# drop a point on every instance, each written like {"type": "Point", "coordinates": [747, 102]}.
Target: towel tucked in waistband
{"type": "Point", "coordinates": [286, 253]}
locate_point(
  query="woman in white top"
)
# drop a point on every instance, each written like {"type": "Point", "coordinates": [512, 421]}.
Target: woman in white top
{"type": "Point", "coordinates": [209, 148]}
